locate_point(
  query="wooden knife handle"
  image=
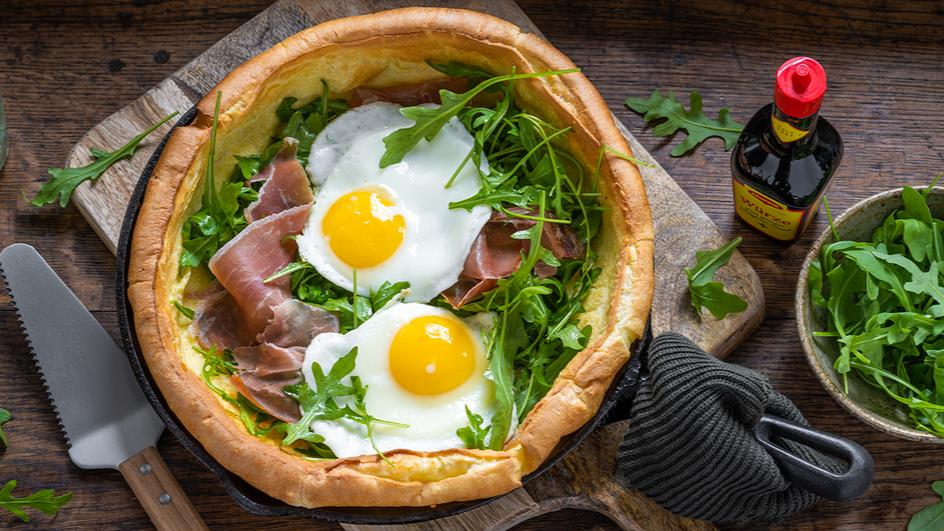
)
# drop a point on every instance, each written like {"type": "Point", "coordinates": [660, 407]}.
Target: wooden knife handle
{"type": "Point", "coordinates": [159, 493]}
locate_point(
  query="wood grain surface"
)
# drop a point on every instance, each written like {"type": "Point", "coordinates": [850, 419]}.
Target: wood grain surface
{"type": "Point", "coordinates": [67, 65]}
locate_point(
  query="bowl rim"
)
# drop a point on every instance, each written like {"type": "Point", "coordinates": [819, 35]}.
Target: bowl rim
{"type": "Point", "coordinates": [802, 306]}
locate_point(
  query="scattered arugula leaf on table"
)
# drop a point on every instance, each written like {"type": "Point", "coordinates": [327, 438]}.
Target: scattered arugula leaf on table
{"type": "Point", "coordinates": [63, 181]}
{"type": "Point", "coordinates": [5, 417]}
{"type": "Point", "coordinates": [931, 518]}
{"type": "Point", "coordinates": [44, 501]}
{"type": "Point", "coordinates": [707, 293]}
{"type": "Point", "coordinates": [693, 122]}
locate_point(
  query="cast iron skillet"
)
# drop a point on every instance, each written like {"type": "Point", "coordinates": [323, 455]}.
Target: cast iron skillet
{"type": "Point", "coordinates": [615, 407]}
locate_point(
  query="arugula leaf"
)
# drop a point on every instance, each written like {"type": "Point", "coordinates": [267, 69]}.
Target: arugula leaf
{"type": "Point", "coordinates": [321, 404]}
{"type": "Point", "coordinates": [885, 306]}
{"type": "Point", "coordinates": [474, 74]}
{"type": "Point", "coordinates": [693, 122]}
{"type": "Point", "coordinates": [218, 219]}
{"type": "Point", "coordinates": [708, 294]}
{"type": "Point", "coordinates": [931, 518]}
{"type": "Point", "coordinates": [63, 181]}
{"type": "Point", "coordinates": [429, 120]}
{"type": "Point", "coordinates": [44, 501]}
{"type": "Point", "coordinates": [185, 311]}
{"type": "Point", "coordinates": [5, 417]}
{"type": "Point", "coordinates": [473, 435]}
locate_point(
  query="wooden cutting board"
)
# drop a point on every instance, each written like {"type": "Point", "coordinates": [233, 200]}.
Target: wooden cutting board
{"type": "Point", "coordinates": [585, 479]}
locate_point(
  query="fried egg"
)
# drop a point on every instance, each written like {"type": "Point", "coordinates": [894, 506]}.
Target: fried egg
{"type": "Point", "coordinates": [390, 224]}
{"type": "Point", "coordinates": [422, 366]}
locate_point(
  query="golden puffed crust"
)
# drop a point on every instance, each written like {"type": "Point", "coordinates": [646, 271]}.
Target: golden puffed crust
{"type": "Point", "coordinates": [387, 49]}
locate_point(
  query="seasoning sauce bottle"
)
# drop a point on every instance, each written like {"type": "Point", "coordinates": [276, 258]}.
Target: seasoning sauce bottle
{"type": "Point", "coordinates": [786, 155]}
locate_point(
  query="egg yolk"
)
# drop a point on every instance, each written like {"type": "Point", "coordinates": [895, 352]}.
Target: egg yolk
{"type": "Point", "coordinates": [431, 355]}
{"type": "Point", "coordinates": [362, 228]}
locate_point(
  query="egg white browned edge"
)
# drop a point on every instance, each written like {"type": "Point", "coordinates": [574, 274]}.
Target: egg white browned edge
{"type": "Point", "coordinates": [388, 49]}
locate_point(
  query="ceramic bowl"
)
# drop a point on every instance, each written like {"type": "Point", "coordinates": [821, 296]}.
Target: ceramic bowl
{"type": "Point", "coordinates": [869, 404]}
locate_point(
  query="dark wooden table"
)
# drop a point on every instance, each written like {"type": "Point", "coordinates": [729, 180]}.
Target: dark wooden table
{"type": "Point", "coordinates": [66, 65]}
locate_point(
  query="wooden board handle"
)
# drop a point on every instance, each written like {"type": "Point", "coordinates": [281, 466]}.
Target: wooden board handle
{"type": "Point", "coordinates": [159, 493]}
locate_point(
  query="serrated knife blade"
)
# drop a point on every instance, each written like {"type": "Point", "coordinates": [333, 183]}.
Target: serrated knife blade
{"type": "Point", "coordinates": [102, 410]}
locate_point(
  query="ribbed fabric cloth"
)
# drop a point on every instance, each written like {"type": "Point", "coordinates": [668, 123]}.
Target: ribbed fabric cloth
{"type": "Point", "coordinates": [690, 444]}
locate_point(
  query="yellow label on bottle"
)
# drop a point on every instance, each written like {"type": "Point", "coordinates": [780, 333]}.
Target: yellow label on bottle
{"type": "Point", "coordinates": [765, 214]}
{"type": "Point", "coordinates": [786, 132]}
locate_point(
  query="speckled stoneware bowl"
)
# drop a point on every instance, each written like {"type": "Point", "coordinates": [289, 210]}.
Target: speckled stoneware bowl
{"type": "Point", "coordinates": [871, 405]}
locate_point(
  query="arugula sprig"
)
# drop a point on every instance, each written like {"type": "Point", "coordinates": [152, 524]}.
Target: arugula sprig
{"type": "Point", "coordinates": [475, 435]}
{"type": "Point", "coordinates": [44, 501]}
{"type": "Point", "coordinates": [693, 122]}
{"type": "Point", "coordinates": [429, 120]}
{"type": "Point", "coordinates": [5, 417]}
{"type": "Point", "coordinates": [221, 216]}
{"type": "Point", "coordinates": [884, 305]}
{"type": "Point", "coordinates": [321, 402]}
{"type": "Point", "coordinates": [309, 286]}
{"type": "Point", "coordinates": [63, 181]}
{"type": "Point", "coordinates": [707, 293]}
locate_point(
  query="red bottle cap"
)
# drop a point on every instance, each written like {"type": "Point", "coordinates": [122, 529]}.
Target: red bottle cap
{"type": "Point", "coordinates": [801, 83]}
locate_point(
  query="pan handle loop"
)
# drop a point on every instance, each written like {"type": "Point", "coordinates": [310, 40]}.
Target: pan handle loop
{"type": "Point", "coordinates": [850, 484]}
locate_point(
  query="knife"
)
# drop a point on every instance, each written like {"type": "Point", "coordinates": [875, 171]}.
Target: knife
{"type": "Point", "coordinates": [106, 419]}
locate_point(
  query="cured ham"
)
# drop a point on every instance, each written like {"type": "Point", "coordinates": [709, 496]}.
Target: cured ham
{"type": "Point", "coordinates": [259, 251]}
{"type": "Point", "coordinates": [286, 184]}
{"type": "Point", "coordinates": [218, 323]}
{"type": "Point", "coordinates": [263, 371]}
{"type": "Point", "coordinates": [495, 254]}
{"type": "Point", "coordinates": [295, 324]}
{"type": "Point", "coordinates": [407, 95]}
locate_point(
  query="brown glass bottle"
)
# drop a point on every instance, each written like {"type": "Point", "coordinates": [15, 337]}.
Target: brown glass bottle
{"type": "Point", "coordinates": [786, 155]}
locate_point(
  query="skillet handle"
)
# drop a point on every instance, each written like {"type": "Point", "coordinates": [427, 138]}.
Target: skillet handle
{"type": "Point", "coordinates": [839, 487]}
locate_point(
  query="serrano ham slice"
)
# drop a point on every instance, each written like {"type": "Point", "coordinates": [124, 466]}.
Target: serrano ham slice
{"type": "Point", "coordinates": [256, 253]}
{"type": "Point", "coordinates": [263, 371]}
{"type": "Point", "coordinates": [409, 95]}
{"type": "Point", "coordinates": [295, 324]}
{"type": "Point", "coordinates": [286, 184]}
{"type": "Point", "coordinates": [495, 254]}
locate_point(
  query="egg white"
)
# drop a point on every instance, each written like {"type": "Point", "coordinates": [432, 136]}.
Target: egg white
{"type": "Point", "coordinates": [346, 157]}
{"type": "Point", "coordinates": [432, 419]}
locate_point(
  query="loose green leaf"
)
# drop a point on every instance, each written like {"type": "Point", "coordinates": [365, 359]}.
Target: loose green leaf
{"type": "Point", "coordinates": [5, 417]}
{"type": "Point", "coordinates": [44, 501]}
{"type": "Point", "coordinates": [693, 122]}
{"type": "Point", "coordinates": [931, 518]}
{"type": "Point", "coordinates": [473, 435]}
{"type": "Point", "coordinates": [708, 294]}
{"type": "Point", "coordinates": [429, 120]}
{"type": "Point", "coordinates": [63, 181]}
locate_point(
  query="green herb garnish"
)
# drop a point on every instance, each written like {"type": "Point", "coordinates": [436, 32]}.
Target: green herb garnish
{"type": "Point", "coordinates": [931, 518]}
{"type": "Point", "coordinates": [44, 501]}
{"type": "Point", "coordinates": [474, 435]}
{"type": "Point", "coordinates": [63, 181]}
{"type": "Point", "coordinates": [183, 310]}
{"type": "Point", "coordinates": [885, 308]}
{"type": "Point", "coordinates": [321, 403]}
{"type": "Point", "coordinates": [429, 120]}
{"type": "Point", "coordinates": [693, 122]}
{"type": "Point", "coordinates": [221, 216]}
{"type": "Point", "coordinates": [5, 417]}
{"type": "Point", "coordinates": [704, 291]}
